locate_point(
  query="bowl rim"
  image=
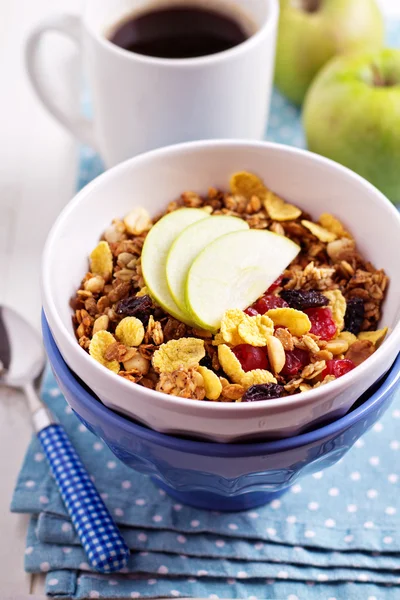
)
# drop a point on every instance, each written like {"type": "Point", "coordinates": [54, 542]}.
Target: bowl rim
{"type": "Point", "coordinates": [232, 450]}
{"type": "Point", "coordinates": [301, 400]}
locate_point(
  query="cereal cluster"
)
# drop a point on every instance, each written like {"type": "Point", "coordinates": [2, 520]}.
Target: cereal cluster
{"type": "Point", "coordinates": [318, 321]}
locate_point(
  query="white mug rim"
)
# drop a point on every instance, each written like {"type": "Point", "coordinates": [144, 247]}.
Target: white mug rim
{"type": "Point", "coordinates": [263, 31]}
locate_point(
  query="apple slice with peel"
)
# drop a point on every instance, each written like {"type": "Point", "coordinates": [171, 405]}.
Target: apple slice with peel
{"type": "Point", "coordinates": [154, 256]}
{"type": "Point", "coordinates": [188, 246]}
{"type": "Point", "coordinates": [233, 271]}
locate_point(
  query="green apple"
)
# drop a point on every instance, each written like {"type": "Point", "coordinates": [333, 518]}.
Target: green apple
{"type": "Point", "coordinates": [352, 115]}
{"type": "Point", "coordinates": [189, 244]}
{"type": "Point", "coordinates": [233, 271]}
{"type": "Point", "coordinates": [313, 31]}
{"type": "Point", "coordinates": [154, 256]}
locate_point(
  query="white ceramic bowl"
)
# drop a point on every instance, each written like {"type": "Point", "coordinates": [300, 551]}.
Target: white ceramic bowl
{"type": "Point", "coordinates": [152, 180]}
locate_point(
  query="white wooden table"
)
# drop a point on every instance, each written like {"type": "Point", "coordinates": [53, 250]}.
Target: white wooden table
{"type": "Point", "coordinates": [37, 178]}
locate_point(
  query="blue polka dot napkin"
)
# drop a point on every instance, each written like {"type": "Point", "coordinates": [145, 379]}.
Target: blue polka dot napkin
{"type": "Point", "coordinates": [334, 536]}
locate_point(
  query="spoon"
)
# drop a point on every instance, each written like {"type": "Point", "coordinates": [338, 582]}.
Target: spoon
{"type": "Point", "coordinates": [22, 361]}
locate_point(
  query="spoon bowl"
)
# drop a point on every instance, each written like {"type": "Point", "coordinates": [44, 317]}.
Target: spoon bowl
{"type": "Point", "coordinates": [22, 357]}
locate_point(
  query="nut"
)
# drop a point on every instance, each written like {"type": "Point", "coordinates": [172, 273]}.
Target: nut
{"type": "Point", "coordinates": [94, 284]}
{"type": "Point", "coordinates": [101, 324]}
{"type": "Point", "coordinates": [276, 354]}
{"type": "Point", "coordinates": [137, 221]}
{"type": "Point", "coordinates": [232, 391]}
{"type": "Point", "coordinates": [212, 383]}
{"type": "Point", "coordinates": [137, 363]}
{"type": "Point", "coordinates": [337, 346]}
{"type": "Point", "coordinates": [320, 232]}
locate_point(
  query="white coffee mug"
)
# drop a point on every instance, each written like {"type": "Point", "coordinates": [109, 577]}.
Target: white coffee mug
{"type": "Point", "coordinates": [140, 103]}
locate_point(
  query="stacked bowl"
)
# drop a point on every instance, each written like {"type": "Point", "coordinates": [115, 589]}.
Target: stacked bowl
{"type": "Point", "coordinates": [212, 454]}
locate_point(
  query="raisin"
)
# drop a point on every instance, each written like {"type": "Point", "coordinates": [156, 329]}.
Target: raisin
{"type": "Point", "coordinates": [207, 362]}
{"type": "Point", "coordinates": [264, 391]}
{"type": "Point", "coordinates": [302, 299]}
{"type": "Point", "coordinates": [133, 306]}
{"type": "Point", "coordinates": [354, 316]}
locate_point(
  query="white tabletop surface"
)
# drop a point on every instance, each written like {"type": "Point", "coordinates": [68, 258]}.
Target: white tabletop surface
{"type": "Point", "coordinates": [37, 178]}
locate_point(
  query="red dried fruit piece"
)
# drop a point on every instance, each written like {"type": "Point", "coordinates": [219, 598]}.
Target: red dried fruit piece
{"type": "Point", "coordinates": [277, 283]}
{"type": "Point", "coordinates": [296, 360]}
{"type": "Point", "coordinates": [250, 357]}
{"type": "Point", "coordinates": [251, 311]}
{"type": "Point", "coordinates": [265, 303]}
{"type": "Point", "coordinates": [338, 367]}
{"type": "Point", "coordinates": [322, 323]}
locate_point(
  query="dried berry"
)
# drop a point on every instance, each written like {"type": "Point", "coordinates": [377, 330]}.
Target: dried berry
{"type": "Point", "coordinates": [251, 358]}
{"type": "Point", "coordinates": [338, 367]}
{"type": "Point", "coordinates": [322, 323]}
{"type": "Point", "coordinates": [354, 316]}
{"type": "Point", "coordinates": [133, 306]}
{"type": "Point", "coordinates": [302, 299]}
{"type": "Point", "coordinates": [266, 303]}
{"type": "Point", "coordinates": [296, 360]}
{"type": "Point", "coordinates": [207, 362]}
{"type": "Point", "coordinates": [264, 391]}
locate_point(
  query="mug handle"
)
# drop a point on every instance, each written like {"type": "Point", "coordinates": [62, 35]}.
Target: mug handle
{"type": "Point", "coordinates": [70, 26]}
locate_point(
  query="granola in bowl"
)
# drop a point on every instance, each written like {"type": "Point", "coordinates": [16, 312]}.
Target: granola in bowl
{"type": "Point", "coordinates": [316, 322]}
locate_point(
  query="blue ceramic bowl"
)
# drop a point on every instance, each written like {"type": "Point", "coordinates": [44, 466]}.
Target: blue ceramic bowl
{"type": "Point", "coordinates": [221, 476]}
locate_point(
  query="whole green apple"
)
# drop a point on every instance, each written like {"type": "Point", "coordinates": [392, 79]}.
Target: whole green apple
{"type": "Point", "coordinates": [313, 31]}
{"type": "Point", "coordinates": [351, 114]}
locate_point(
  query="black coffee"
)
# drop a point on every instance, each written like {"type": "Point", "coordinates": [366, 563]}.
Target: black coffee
{"type": "Point", "coordinates": [179, 32]}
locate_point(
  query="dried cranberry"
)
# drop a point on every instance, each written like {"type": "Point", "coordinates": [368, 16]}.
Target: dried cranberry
{"type": "Point", "coordinates": [296, 360]}
{"type": "Point", "coordinates": [322, 323]}
{"type": "Point", "coordinates": [251, 311]}
{"type": "Point", "coordinates": [250, 357]}
{"type": "Point", "coordinates": [265, 303]}
{"type": "Point", "coordinates": [141, 308]}
{"type": "Point", "coordinates": [302, 299]}
{"type": "Point", "coordinates": [277, 283]}
{"type": "Point", "coordinates": [263, 391]}
{"type": "Point", "coordinates": [354, 316]}
{"type": "Point", "coordinates": [338, 367]}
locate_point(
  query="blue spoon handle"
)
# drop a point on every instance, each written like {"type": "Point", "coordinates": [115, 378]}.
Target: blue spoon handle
{"type": "Point", "coordinates": [105, 547]}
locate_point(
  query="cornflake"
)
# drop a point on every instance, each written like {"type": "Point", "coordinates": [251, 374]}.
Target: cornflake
{"type": "Point", "coordinates": [256, 330]}
{"type": "Point", "coordinates": [176, 354]}
{"type": "Point", "coordinates": [247, 185]}
{"type": "Point", "coordinates": [332, 224]}
{"type": "Point", "coordinates": [101, 261]}
{"type": "Point", "coordinates": [320, 232]}
{"type": "Point", "coordinates": [257, 377]}
{"type": "Point", "coordinates": [279, 210]}
{"type": "Point", "coordinates": [229, 327]}
{"type": "Point", "coordinates": [98, 347]}
{"type": "Point", "coordinates": [230, 364]}
{"type": "Point", "coordinates": [130, 331]}
{"type": "Point", "coordinates": [338, 305]}
{"type": "Point", "coordinates": [376, 337]}
{"type": "Point", "coordinates": [296, 321]}
{"type": "Point", "coordinates": [212, 383]}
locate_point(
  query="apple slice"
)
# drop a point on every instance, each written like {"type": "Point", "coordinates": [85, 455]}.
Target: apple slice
{"type": "Point", "coordinates": [154, 256]}
{"type": "Point", "coordinates": [233, 271]}
{"type": "Point", "coordinates": [188, 246]}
